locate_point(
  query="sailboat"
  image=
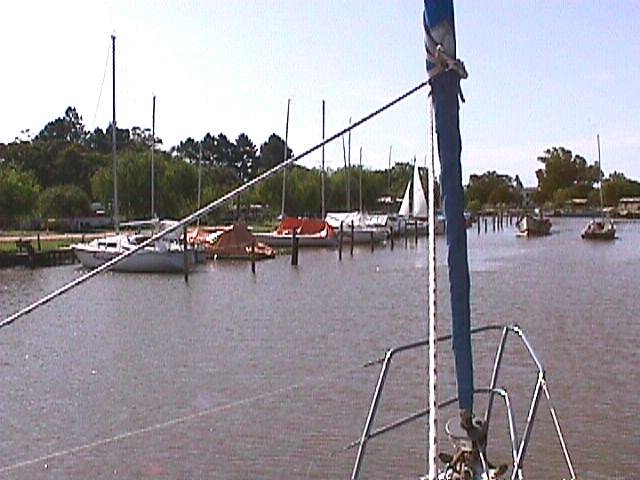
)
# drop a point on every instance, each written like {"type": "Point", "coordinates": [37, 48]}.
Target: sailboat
{"type": "Point", "coordinates": [358, 226]}
{"type": "Point", "coordinates": [533, 225]}
{"type": "Point", "coordinates": [604, 228]}
{"type": "Point", "coordinates": [467, 432]}
{"type": "Point", "coordinates": [414, 210]}
{"type": "Point", "coordinates": [166, 254]}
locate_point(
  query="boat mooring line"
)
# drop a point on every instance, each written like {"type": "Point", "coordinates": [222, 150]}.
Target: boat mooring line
{"type": "Point", "coordinates": [176, 421]}
{"type": "Point", "coordinates": [189, 219]}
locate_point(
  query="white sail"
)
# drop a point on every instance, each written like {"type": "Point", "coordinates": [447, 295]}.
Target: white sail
{"type": "Point", "coordinates": [405, 207]}
{"type": "Point", "coordinates": [420, 209]}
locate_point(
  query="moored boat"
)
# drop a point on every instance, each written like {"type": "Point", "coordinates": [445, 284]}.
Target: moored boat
{"type": "Point", "coordinates": [414, 209]}
{"type": "Point", "coordinates": [160, 256]}
{"type": "Point", "coordinates": [530, 226]}
{"type": "Point", "coordinates": [603, 229]}
{"type": "Point", "coordinates": [359, 226]}
{"type": "Point", "coordinates": [599, 230]}
{"type": "Point", "coordinates": [233, 242]}
{"type": "Point", "coordinates": [310, 232]}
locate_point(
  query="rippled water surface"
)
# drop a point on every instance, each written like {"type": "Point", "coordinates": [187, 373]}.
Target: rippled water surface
{"type": "Point", "coordinates": [241, 376]}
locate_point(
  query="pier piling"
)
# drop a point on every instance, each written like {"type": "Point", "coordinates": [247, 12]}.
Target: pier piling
{"type": "Point", "coordinates": [294, 249]}
{"type": "Point", "coordinates": [352, 234]}
{"type": "Point", "coordinates": [253, 256]}
{"type": "Point", "coordinates": [185, 255]}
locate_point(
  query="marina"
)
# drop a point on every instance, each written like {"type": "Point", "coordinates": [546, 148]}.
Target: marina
{"type": "Point", "coordinates": [117, 368]}
{"type": "Point", "coordinates": [235, 375]}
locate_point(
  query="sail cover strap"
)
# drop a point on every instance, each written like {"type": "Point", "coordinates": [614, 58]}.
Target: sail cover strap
{"type": "Point", "coordinates": [445, 84]}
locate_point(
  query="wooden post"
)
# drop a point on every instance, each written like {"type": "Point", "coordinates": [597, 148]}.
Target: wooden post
{"type": "Point", "coordinates": [493, 221]}
{"type": "Point", "coordinates": [479, 220]}
{"type": "Point", "coordinates": [185, 255]}
{"type": "Point", "coordinates": [406, 234]}
{"type": "Point", "coordinates": [485, 225]}
{"type": "Point", "coordinates": [416, 231]}
{"type": "Point", "coordinates": [39, 246]}
{"type": "Point", "coordinates": [340, 238]}
{"type": "Point", "coordinates": [371, 233]}
{"type": "Point", "coordinates": [294, 249]}
{"type": "Point", "coordinates": [352, 235]}
{"type": "Point", "coordinates": [253, 256]}
{"type": "Point", "coordinates": [391, 237]}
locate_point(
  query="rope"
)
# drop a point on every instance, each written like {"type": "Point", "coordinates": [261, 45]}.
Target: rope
{"type": "Point", "coordinates": [433, 331]}
{"type": "Point", "coordinates": [203, 211]}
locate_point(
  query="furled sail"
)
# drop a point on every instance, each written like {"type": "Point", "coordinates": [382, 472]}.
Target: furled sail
{"type": "Point", "coordinates": [445, 73]}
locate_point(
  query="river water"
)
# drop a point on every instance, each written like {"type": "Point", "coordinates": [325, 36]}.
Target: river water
{"type": "Point", "coordinates": [236, 376]}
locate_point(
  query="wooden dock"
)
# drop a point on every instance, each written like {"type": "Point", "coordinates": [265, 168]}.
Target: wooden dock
{"type": "Point", "coordinates": [30, 257]}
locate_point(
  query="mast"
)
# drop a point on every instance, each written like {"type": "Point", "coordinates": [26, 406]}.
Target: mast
{"type": "Point", "coordinates": [199, 179]}
{"type": "Point", "coordinates": [349, 169]}
{"type": "Point", "coordinates": [600, 177]}
{"type": "Point", "coordinates": [344, 157]}
{"type": "Point", "coordinates": [284, 159]}
{"type": "Point", "coordinates": [153, 144]}
{"type": "Point", "coordinates": [360, 186]}
{"type": "Point", "coordinates": [322, 173]}
{"type": "Point", "coordinates": [389, 176]}
{"type": "Point", "coordinates": [445, 73]}
{"type": "Point", "coordinates": [116, 219]}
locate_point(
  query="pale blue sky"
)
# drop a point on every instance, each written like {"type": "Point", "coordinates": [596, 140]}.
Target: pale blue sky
{"type": "Point", "coordinates": [542, 73]}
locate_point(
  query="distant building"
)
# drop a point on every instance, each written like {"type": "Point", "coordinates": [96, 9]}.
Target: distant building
{"type": "Point", "coordinates": [629, 205]}
{"type": "Point", "coordinates": [577, 205]}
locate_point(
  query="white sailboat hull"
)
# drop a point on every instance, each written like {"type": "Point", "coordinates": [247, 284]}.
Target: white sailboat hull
{"type": "Point", "coordinates": [165, 258]}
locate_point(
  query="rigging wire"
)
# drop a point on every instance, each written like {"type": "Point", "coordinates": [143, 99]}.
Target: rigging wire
{"type": "Point", "coordinates": [104, 75]}
{"type": "Point", "coordinates": [189, 219]}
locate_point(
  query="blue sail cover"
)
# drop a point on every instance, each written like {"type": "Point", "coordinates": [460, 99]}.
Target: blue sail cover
{"type": "Point", "coordinates": [445, 87]}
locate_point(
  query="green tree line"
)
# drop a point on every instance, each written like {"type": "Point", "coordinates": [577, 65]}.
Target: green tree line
{"type": "Point", "coordinates": [64, 168]}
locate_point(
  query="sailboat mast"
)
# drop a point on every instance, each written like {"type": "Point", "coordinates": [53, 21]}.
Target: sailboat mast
{"type": "Point", "coordinates": [389, 175]}
{"type": "Point", "coordinates": [284, 159]}
{"type": "Point", "coordinates": [322, 173]}
{"type": "Point", "coordinates": [116, 219]}
{"type": "Point", "coordinates": [360, 186]}
{"type": "Point", "coordinates": [600, 177]}
{"type": "Point", "coordinates": [199, 179]}
{"type": "Point", "coordinates": [349, 169]}
{"type": "Point", "coordinates": [153, 144]}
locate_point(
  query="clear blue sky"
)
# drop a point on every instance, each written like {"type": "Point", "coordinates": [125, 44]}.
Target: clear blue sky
{"type": "Point", "coordinates": [542, 74]}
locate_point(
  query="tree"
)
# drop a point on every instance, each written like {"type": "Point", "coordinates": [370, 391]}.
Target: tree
{"type": "Point", "coordinates": [271, 154]}
{"type": "Point", "coordinates": [68, 128]}
{"type": "Point", "coordinates": [65, 201]}
{"type": "Point", "coordinates": [618, 186]}
{"type": "Point", "coordinates": [562, 170]}
{"type": "Point", "coordinates": [18, 194]}
{"type": "Point", "coordinates": [189, 150]}
{"type": "Point", "coordinates": [492, 188]}
{"type": "Point", "coordinates": [244, 155]}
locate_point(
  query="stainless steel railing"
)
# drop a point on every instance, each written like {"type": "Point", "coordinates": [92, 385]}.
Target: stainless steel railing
{"type": "Point", "coordinates": [518, 444]}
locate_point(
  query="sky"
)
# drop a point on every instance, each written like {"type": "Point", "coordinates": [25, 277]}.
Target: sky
{"type": "Point", "coordinates": [541, 74]}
